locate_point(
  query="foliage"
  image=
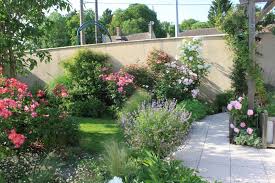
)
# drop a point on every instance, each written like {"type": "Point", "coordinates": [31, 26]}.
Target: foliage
{"type": "Point", "coordinates": [154, 169]}
{"type": "Point", "coordinates": [218, 10]}
{"type": "Point", "coordinates": [106, 18]}
{"type": "Point", "coordinates": [118, 161]}
{"type": "Point", "coordinates": [245, 127]}
{"type": "Point", "coordinates": [158, 127]}
{"type": "Point", "coordinates": [93, 88]}
{"type": "Point", "coordinates": [180, 79]}
{"type": "Point", "coordinates": [35, 122]}
{"type": "Point", "coordinates": [156, 60]}
{"type": "Point", "coordinates": [135, 19]}
{"type": "Point", "coordinates": [20, 31]}
{"type": "Point", "coordinates": [59, 80]}
{"type": "Point", "coordinates": [191, 24]}
{"type": "Point", "coordinates": [169, 28]}
{"type": "Point", "coordinates": [197, 109]}
{"type": "Point", "coordinates": [271, 103]}
{"type": "Point", "coordinates": [250, 140]}
{"type": "Point", "coordinates": [235, 24]}
{"type": "Point", "coordinates": [144, 78]}
{"type": "Point", "coordinates": [223, 99]}
{"type": "Point", "coordinates": [139, 97]}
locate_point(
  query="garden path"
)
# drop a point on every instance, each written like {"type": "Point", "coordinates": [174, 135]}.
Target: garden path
{"type": "Point", "coordinates": [207, 149]}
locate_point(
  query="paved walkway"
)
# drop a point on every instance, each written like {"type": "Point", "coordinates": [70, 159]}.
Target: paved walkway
{"type": "Point", "coordinates": [208, 150]}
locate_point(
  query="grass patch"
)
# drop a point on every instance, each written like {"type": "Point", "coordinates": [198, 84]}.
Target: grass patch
{"type": "Point", "coordinates": [95, 132]}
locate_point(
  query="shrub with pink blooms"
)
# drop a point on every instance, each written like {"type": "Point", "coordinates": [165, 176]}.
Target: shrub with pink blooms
{"type": "Point", "coordinates": [31, 121]}
{"type": "Point", "coordinates": [244, 124]}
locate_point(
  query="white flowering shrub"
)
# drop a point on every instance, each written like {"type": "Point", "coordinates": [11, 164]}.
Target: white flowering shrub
{"type": "Point", "coordinates": [180, 79]}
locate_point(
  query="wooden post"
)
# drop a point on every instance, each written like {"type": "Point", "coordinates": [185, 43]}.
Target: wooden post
{"type": "Point", "coordinates": [252, 52]}
{"type": "Point", "coordinates": [263, 122]}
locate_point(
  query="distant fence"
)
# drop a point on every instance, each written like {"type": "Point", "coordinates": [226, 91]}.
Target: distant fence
{"type": "Point", "coordinates": [215, 51]}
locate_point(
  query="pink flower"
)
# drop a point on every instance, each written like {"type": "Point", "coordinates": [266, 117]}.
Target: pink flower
{"type": "Point", "coordinates": [34, 114]}
{"type": "Point", "coordinates": [249, 131]}
{"type": "Point", "coordinates": [236, 130]}
{"type": "Point", "coordinates": [240, 99]}
{"type": "Point", "coordinates": [250, 112]}
{"type": "Point", "coordinates": [243, 124]}
{"type": "Point", "coordinates": [232, 125]}
{"type": "Point", "coordinates": [120, 89]}
{"type": "Point", "coordinates": [26, 109]}
{"type": "Point", "coordinates": [16, 138]}
{"type": "Point", "coordinates": [40, 94]}
{"type": "Point", "coordinates": [238, 105]}
{"type": "Point", "coordinates": [229, 107]}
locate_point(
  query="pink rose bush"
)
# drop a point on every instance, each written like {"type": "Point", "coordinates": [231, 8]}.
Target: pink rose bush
{"type": "Point", "coordinates": [245, 125]}
{"type": "Point", "coordinates": [22, 114]}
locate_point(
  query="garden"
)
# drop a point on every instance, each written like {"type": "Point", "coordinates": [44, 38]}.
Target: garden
{"type": "Point", "coordinates": [93, 124]}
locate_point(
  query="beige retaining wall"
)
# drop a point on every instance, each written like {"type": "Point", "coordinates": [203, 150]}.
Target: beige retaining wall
{"type": "Point", "coordinates": [214, 50]}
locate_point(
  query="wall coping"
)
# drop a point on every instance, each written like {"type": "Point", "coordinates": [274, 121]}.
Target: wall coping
{"type": "Point", "coordinates": [130, 42]}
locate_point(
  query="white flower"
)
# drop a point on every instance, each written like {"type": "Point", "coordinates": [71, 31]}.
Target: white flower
{"type": "Point", "coordinates": [116, 180]}
{"type": "Point", "coordinates": [195, 92]}
{"type": "Point", "coordinates": [200, 67]}
{"type": "Point", "coordinates": [191, 58]}
{"type": "Point", "coordinates": [167, 71]}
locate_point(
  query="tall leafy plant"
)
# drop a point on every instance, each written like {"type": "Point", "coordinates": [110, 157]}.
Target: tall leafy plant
{"type": "Point", "coordinates": [20, 23]}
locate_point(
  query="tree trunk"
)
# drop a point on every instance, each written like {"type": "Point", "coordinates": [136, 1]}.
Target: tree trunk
{"type": "Point", "coordinates": [12, 64]}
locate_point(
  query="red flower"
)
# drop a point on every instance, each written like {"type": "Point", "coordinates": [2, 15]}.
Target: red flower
{"type": "Point", "coordinates": [40, 94]}
{"type": "Point", "coordinates": [60, 91]}
{"type": "Point", "coordinates": [16, 138]}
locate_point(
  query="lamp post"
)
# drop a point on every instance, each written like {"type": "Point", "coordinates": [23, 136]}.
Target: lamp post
{"type": "Point", "coordinates": [96, 20]}
{"type": "Point", "coordinates": [82, 33]}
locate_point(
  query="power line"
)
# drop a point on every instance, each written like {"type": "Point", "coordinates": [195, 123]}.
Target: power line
{"type": "Point", "coordinates": [153, 4]}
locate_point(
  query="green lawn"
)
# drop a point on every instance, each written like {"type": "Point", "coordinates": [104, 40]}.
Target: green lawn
{"type": "Point", "coordinates": [95, 132]}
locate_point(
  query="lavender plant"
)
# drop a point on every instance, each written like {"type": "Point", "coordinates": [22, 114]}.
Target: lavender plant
{"type": "Point", "coordinates": [158, 126]}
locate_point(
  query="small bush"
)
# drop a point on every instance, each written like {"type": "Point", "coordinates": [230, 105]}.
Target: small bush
{"type": "Point", "coordinates": [133, 103]}
{"type": "Point", "coordinates": [154, 169]}
{"type": "Point", "coordinates": [197, 108]}
{"type": "Point", "coordinates": [144, 78]}
{"type": "Point", "coordinates": [158, 127]}
{"type": "Point", "coordinates": [92, 107]}
{"type": "Point", "coordinates": [223, 99]}
{"type": "Point", "coordinates": [60, 80]}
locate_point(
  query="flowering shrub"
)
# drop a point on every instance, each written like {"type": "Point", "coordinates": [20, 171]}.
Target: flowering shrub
{"type": "Point", "coordinates": [30, 121]}
{"type": "Point", "coordinates": [144, 77]}
{"type": "Point", "coordinates": [245, 127]}
{"type": "Point", "coordinates": [178, 79]}
{"type": "Point", "coordinates": [119, 86]}
{"type": "Point", "coordinates": [159, 127]}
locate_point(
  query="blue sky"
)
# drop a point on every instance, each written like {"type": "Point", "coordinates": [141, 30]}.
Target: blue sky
{"type": "Point", "coordinates": [164, 12]}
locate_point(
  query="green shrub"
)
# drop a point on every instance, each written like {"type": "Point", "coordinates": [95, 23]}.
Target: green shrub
{"type": "Point", "coordinates": [62, 79]}
{"type": "Point", "coordinates": [197, 108]}
{"type": "Point", "coordinates": [222, 100]}
{"type": "Point", "coordinates": [92, 107]}
{"type": "Point", "coordinates": [144, 78]}
{"type": "Point", "coordinates": [133, 103]}
{"type": "Point", "coordinates": [158, 127]}
{"type": "Point", "coordinates": [154, 169]}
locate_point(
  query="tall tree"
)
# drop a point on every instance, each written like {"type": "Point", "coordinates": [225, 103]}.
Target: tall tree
{"type": "Point", "coordinates": [168, 28]}
{"type": "Point", "coordinates": [55, 33]}
{"type": "Point", "coordinates": [135, 19]}
{"type": "Point", "coordinates": [106, 18]}
{"type": "Point", "coordinates": [20, 23]}
{"type": "Point", "coordinates": [218, 10]}
{"type": "Point", "coordinates": [191, 24]}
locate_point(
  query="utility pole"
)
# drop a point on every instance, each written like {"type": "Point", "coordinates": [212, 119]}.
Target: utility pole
{"type": "Point", "coordinates": [177, 19]}
{"type": "Point", "coordinates": [82, 33]}
{"type": "Point", "coordinates": [96, 20]}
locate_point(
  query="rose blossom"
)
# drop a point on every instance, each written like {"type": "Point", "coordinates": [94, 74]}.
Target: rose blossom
{"type": "Point", "coordinates": [238, 105]}
{"type": "Point", "coordinates": [240, 99]}
{"type": "Point", "coordinates": [236, 130]}
{"type": "Point", "coordinates": [249, 131]}
{"type": "Point", "coordinates": [229, 107]}
{"type": "Point", "coordinates": [250, 112]}
{"type": "Point", "coordinates": [242, 124]}
{"type": "Point", "coordinates": [232, 126]}
{"type": "Point", "coordinates": [16, 138]}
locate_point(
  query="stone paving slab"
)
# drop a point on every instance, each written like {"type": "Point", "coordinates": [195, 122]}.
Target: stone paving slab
{"type": "Point", "coordinates": [208, 151]}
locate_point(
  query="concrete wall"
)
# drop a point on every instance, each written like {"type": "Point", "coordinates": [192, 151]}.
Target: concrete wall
{"type": "Point", "coordinates": [214, 50]}
{"type": "Point", "coordinates": [267, 57]}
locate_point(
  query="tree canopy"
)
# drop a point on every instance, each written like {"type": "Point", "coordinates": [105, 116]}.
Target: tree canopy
{"type": "Point", "coordinates": [191, 24]}
{"type": "Point", "coordinates": [20, 28]}
{"type": "Point", "coordinates": [218, 10]}
{"type": "Point", "coordinates": [135, 19]}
